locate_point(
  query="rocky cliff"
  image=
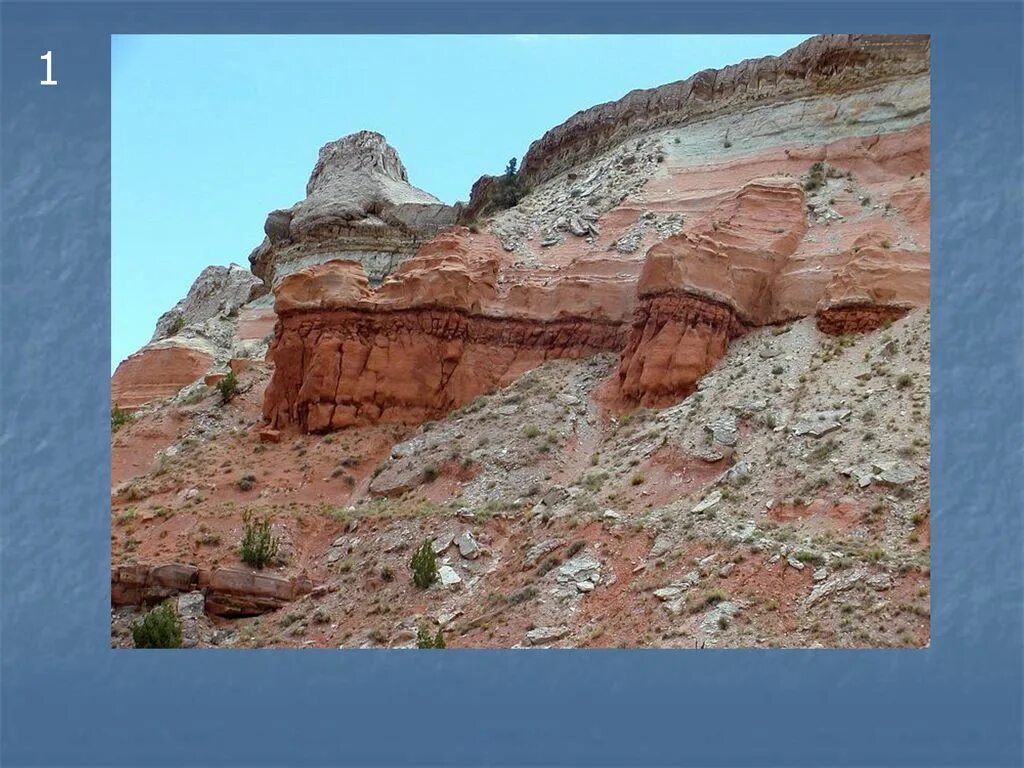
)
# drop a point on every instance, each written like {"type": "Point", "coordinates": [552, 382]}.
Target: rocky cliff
{"type": "Point", "coordinates": [661, 227]}
{"type": "Point", "coordinates": [359, 205]}
{"type": "Point", "coordinates": [223, 316]}
{"type": "Point", "coordinates": [676, 396]}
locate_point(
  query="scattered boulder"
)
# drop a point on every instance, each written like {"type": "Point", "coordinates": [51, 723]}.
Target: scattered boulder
{"type": "Point", "coordinates": [542, 635]}
{"type": "Point", "coordinates": [582, 571]}
{"type": "Point", "coordinates": [555, 496]}
{"type": "Point", "coordinates": [468, 546]}
{"type": "Point", "coordinates": [895, 472]}
{"type": "Point", "coordinates": [448, 576]}
{"type": "Point", "coordinates": [708, 502]}
{"type": "Point", "coordinates": [723, 429]}
{"type": "Point", "coordinates": [818, 423]}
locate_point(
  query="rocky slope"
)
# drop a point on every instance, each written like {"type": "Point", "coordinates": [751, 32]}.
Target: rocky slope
{"type": "Point", "coordinates": [746, 251]}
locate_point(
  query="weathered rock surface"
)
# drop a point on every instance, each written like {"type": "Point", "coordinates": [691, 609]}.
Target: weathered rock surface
{"type": "Point", "coordinates": [217, 321]}
{"type": "Point", "coordinates": [439, 332]}
{"type": "Point", "coordinates": [217, 292]}
{"type": "Point", "coordinates": [157, 371]}
{"type": "Point", "coordinates": [359, 205]}
{"type": "Point", "coordinates": [228, 591]}
{"type": "Point", "coordinates": [825, 64]}
{"type": "Point", "coordinates": [784, 503]}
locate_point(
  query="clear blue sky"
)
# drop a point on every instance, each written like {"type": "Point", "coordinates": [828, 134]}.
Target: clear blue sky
{"type": "Point", "coordinates": [210, 133]}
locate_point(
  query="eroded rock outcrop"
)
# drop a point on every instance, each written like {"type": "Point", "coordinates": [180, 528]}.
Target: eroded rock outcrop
{"type": "Point", "coordinates": [218, 292]}
{"type": "Point", "coordinates": [660, 226]}
{"type": "Point", "coordinates": [229, 592]}
{"type": "Point", "coordinates": [222, 317]}
{"type": "Point", "coordinates": [439, 332]}
{"type": "Point", "coordinates": [157, 371]}
{"type": "Point", "coordinates": [826, 64]}
{"type": "Point", "coordinates": [359, 205]}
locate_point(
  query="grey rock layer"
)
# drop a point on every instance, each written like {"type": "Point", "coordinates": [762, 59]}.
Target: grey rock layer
{"type": "Point", "coordinates": [359, 205]}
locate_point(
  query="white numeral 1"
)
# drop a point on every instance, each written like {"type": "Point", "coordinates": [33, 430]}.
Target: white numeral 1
{"type": "Point", "coordinates": [48, 58]}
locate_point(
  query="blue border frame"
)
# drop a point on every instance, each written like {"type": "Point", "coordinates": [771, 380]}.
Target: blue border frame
{"type": "Point", "coordinates": [69, 700]}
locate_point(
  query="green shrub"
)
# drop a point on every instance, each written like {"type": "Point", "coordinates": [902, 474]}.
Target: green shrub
{"type": "Point", "coordinates": [509, 187]}
{"type": "Point", "coordinates": [424, 566]}
{"type": "Point", "coordinates": [430, 473]}
{"type": "Point", "coordinates": [228, 387]}
{"type": "Point", "coordinates": [246, 482]}
{"type": "Point", "coordinates": [424, 639]}
{"type": "Point", "coordinates": [259, 546]}
{"type": "Point", "coordinates": [119, 417]}
{"type": "Point", "coordinates": [176, 326]}
{"type": "Point", "coordinates": [160, 628]}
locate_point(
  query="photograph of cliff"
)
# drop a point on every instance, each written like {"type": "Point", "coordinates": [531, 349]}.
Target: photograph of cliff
{"type": "Point", "coordinates": [663, 382]}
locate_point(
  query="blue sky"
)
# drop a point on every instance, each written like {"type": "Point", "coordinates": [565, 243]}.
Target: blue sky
{"type": "Point", "coordinates": [210, 133]}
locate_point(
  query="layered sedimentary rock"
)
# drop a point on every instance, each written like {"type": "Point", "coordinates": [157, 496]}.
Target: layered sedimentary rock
{"type": "Point", "coordinates": [439, 332]}
{"type": "Point", "coordinates": [217, 292]}
{"type": "Point", "coordinates": [827, 64]}
{"type": "Point", "coordinates": [229, 592]}
{"type": "Point", "coordinates": [359, 205]}
{"type": "Point", "coordinates": [659, 226]}
{"type": "Point", "coordinates": [157, 371]}
{"type": "Point", "coordinates": [700, 289]}
{"type": "Point", "coordinates": [222, 317]}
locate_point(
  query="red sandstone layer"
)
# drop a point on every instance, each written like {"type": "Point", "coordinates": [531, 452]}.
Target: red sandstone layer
{"type": "Point", "coordinates": [156, 372]}
{"type": "Point", "coordinates": [434, 336]}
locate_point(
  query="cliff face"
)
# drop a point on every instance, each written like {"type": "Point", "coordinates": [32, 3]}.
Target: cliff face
{"type": "Point", "coordinates": [828, 64]}
{"type": "Point", "coordinates": [438, 333]}
{"type": "Point", "coordinates": [520, 392]}
{"type": "Point", "coordinates": [223, 316]}
{"type": "Point", "coordinates": [661, 227]}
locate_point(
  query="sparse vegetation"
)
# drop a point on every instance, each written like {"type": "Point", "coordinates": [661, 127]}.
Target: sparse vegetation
{"type": "Point", "coordinates": [259, 546]}
{"type": "Point", "coordinates": [424, 566]}
{"type": "Point", "coordinates": [246, 482]}
{"type": "Point", "coordinates": [228, 387]}
{"type": "Point", "coordinates": [575, 547]}
{"type": "Point", "coordinates": [160, 628]}
{"type": "Point", "coordinates": [425, 640]}
{"type": "Point", "coordinates": [509, 188]}
{"type": "Point", "coordinates": [119, 417]}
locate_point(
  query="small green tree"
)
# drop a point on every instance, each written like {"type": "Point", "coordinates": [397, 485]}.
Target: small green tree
{"type": "Point", "coordinates": [228, 387]}
{"type": "Point", "coordinates": [160, 628]}
{"type": "Point", "coordinates": [425, 640]}
{"type": "Point", "coordinates": [259, 546]}
{"type": "Point", "coordinates": [509, 186]}
{"type": "Point", "coordinates": [424, 566]}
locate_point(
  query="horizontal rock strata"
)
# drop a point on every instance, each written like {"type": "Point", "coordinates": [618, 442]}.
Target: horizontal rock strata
{"type": "Point", "coordinates": [432, 338]}
{"type": "Point", "coordinates": [826, 64]}
{"type": "Point", "coordinates": [359, 205]}
{"type": "Point", "coordinates": [230, 592]}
